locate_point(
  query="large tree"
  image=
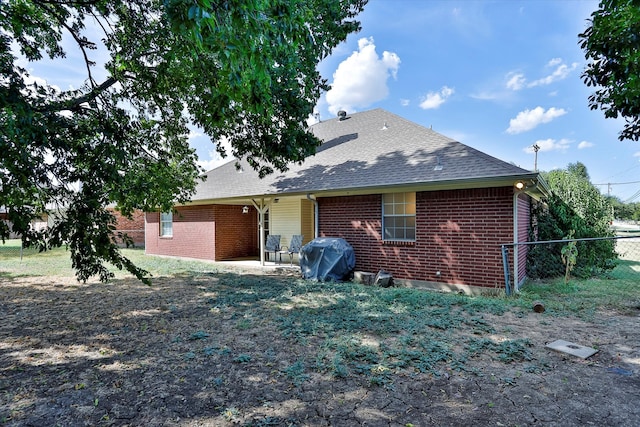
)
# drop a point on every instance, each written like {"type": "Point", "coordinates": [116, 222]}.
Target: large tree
{"type": "Point", "coordinates": [612, 48]}
{"type": "Point", "coordinates": [244, 70]}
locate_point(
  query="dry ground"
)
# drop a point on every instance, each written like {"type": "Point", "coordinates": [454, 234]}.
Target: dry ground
{"type": "Point", "coordinates": [185, 353]}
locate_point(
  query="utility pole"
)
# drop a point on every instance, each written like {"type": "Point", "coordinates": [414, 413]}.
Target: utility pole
{"type": "Point", "coordinates": [536, 147]}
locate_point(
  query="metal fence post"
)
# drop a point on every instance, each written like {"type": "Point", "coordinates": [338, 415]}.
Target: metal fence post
{"type": "Point", "coordinates": [505, 265]}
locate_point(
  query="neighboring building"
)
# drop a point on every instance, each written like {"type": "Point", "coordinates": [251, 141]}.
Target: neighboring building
{"type": "Point", "coordinates": [134, 227]}
{"type": "Point", "coordinates": [37, 224]}
{"type": "Point", "coordinates": [413, 202]}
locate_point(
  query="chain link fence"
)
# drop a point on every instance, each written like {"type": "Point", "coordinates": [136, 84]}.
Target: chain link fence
{"type": "Point", "coordinates": [613, 258]}
{"type": "Point", "coordinates": [12, 248]}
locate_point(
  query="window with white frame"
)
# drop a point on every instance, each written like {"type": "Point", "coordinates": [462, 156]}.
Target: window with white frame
{"type": "Point", "coordinates": [399, 216]}
{"type": "Point", "coordinates": [166, 224]}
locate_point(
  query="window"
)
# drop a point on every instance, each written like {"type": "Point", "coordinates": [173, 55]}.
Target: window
{"type": "Point", "coordinates": [166, 224]}
{"type": "Point", "coordinates": [399, 216]}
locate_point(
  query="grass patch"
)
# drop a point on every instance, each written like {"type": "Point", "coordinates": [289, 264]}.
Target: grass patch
{"type": "Point", "coordinates": [616, 291]}
{"type": "Point", "coordinates": [357, 330]}
{"type": "Point", "coordinates": [57, 263]}
{"type": "Point", "coordinates": [31, 262]}
{"type": "Point", "coordinates": [10, 245]}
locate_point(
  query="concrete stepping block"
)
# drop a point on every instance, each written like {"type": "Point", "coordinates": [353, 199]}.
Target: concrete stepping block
{"type": "Point", "coordinates": [572, 348]}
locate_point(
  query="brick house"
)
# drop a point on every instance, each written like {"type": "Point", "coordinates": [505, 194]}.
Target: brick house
{"type": "Point", "coordinates": [134, 227]}
{"type": "Point", "coordinates": [422, 206]}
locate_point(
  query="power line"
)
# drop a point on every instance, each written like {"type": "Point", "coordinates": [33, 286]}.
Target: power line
{"type": "Point", "coordinates": [619, 183]}
{"type": "Point", "coordinates": [633, 197]}
{"type": "Point", "coordinates": [625, 171]}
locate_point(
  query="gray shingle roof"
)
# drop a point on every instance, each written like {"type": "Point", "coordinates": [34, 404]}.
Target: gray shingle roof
{"type": "Point", "coordinates": [371, 149]}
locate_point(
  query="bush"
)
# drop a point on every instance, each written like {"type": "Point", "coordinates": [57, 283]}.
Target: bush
{"type": "Point", "coordinates": [576, 208]}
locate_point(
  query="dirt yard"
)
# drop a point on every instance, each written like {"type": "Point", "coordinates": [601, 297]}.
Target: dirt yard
{"type": "Point", "coordinates": [185, 353]}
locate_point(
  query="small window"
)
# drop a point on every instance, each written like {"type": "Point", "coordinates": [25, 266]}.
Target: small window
{"type": "Point", "coordinates": [166, 224]}
{"type": "Point", "coordinates": [399, 216]}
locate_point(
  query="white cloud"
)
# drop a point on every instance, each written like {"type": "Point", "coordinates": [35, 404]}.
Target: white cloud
{"type": "Point", "coordinates": [636, 154]}
{"type": "Point", "coordinates": [215, 160]}
{"type": "Point", "coordinates": [549, 145]}
{"type": "Point", "coordinates": [487, 95]}
{"type": "Point", "coordinates": [561, 72]}
{"type": "Point", "coordinates": [529, 119]}
{"type": "Point", "coordinates": [31, 79]}
{"type": "Point", "coordinates": [405, 102]}
{"type": "Point", "coordinates": [361, 79]}
{"type": "Point", "coordinates": [193, 134]}
{"type": "Point", "coordinates": [313, 118]}
{"type": "Point", "coordinates": [515, 81]}
{"type": "Point", "coordinates": [585, 144]}
{"type": "Point", "coordinates": [436, 99]}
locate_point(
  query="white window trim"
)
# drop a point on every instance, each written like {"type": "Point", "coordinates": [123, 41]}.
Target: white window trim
{"type": "Point", "coordinates": [164, 230]}
{"type": "Point", "coordinates": [393, 215]}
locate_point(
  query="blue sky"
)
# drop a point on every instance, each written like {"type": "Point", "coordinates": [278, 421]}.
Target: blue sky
{"type": "Point", "coordinates": [499, 76]}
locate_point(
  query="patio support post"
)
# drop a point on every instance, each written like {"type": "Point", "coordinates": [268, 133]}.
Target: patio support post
{"type": "Point", "coordinates": [311, 198]}
{"type": "Point", "coordinates": [262, 209]}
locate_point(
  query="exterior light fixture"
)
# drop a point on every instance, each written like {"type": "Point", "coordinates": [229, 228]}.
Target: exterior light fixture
{"type": "Point", "coordinates": [519, 185]}
{"type": "Point", "coordinates": [245, 209]}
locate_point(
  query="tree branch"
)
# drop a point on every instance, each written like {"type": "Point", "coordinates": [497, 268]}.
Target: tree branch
{"type": "Point", "coordinates": [74, 104]}
{"type": "Point", "coordinates": [82, 43]}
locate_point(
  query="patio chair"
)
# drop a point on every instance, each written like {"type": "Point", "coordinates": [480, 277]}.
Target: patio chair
{"type": "Point", "coordinates": [273, 245]}
{"type": "Point", "coordinates": [294, 247]}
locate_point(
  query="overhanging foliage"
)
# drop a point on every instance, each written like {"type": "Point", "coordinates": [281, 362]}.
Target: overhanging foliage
{"type": "Point", "coordinates": [243, 70]}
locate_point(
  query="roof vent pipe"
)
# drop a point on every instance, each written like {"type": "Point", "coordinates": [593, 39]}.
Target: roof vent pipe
{"type": "Point", "coordinates": [438, 166]}
{"type": "Point", "coordinates": [342, 115]}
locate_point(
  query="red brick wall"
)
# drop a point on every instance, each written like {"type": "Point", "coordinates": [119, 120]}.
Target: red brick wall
{"type": "Point", "coordinates": [237, 233]}
{"type": "Point", "coordinates": [459, 233]}
{"type": "Point", "coordinates": [193, 233]}
{"type": "Point", "coordinates": [133, 227]}
{"type": "Point", "coordinates": [212, 232]}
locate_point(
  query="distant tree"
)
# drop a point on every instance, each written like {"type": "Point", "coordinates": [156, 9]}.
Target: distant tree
{"type": "Point", "coordinates": [612, 48]}
{"type": "Point", "coordinates": [624, 211]}
{"type": "Point", "coordinates": [620, 210]}
{"type": "Point", "coordinates": [242, 70]}
{"type": "Point", "coordinates": [576, 208]}
{"type": "Point", "coordinates": [578, 169]}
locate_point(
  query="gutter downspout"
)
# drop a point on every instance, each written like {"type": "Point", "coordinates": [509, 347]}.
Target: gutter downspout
{"type": "Point", "coordinates": [312, 198]}
{"type": "Point", "coordinates": [542, 187]}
